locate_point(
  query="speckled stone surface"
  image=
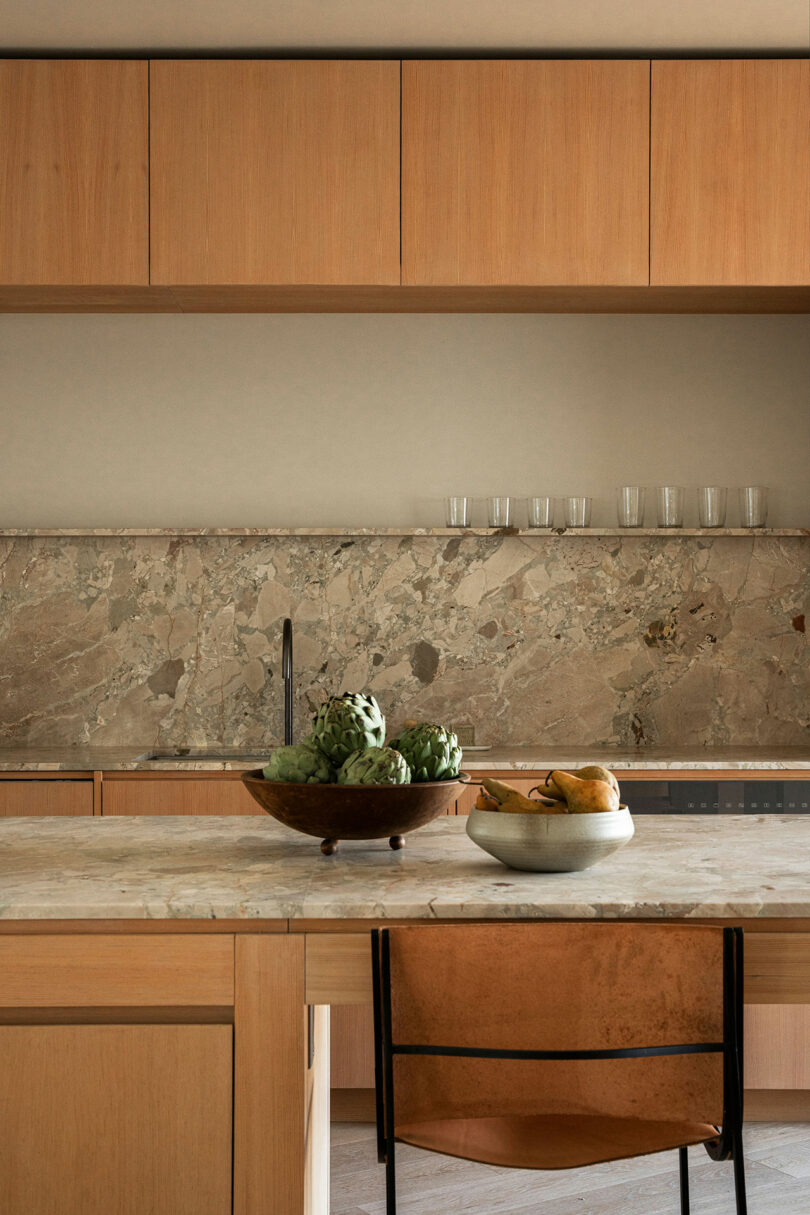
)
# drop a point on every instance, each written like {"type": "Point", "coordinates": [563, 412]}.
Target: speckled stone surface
{"type": "Point", "coordinates": [507, 759]}
{"type": "Point", "coordinates": [615, 640]}
{"type": "Point", "coordinates": [246, 868]}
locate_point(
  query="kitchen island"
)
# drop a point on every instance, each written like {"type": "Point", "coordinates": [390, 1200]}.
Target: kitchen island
{"type": "Point", "coordinates": [174, 959]}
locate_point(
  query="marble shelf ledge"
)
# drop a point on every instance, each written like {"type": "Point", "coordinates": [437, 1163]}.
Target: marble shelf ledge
{"type": "Point", "coordinates": [670, 533]}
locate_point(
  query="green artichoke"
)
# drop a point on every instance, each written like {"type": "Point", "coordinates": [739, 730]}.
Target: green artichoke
{"type": "Point", "coordinates": [375, 766]}
{"type": "Point", "coordinates": [304, 764]}
{"type": "Point", "coordinates": [431, 752]}
{"type": "Point", "coordinates": [348, 723]}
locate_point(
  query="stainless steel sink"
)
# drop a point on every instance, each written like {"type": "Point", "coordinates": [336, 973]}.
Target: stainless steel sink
{"type": "Point", "coordinates": [210, 754]}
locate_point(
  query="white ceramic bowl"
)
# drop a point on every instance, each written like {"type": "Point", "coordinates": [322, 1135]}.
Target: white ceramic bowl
{"type": "Point", "coordinates": [550, 843]}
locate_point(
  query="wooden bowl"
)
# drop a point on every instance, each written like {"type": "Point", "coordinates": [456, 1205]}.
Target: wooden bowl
{"type": "Point", "coordinates": [353, 812]}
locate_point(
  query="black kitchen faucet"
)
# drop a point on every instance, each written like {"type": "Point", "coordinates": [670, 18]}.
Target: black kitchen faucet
{"type": "Point", "coordinates": [287, 675]}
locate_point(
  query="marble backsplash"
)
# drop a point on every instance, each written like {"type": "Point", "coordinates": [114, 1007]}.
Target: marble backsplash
{"type": "Point", "coordinates": [575, 640]}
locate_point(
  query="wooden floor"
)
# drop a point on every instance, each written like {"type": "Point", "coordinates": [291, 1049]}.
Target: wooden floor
{"type": "Point", "coordinates": [778, 1176]}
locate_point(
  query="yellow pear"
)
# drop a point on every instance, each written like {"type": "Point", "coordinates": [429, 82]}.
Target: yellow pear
{"type": "Point", "coordinates": [590, 772]}
{"type": "Point", "coordinates": [585, 796]}
{"type": "Point", "coordinates": [596, 772]}
{"type": "Point", "coordinates": [511, 801]}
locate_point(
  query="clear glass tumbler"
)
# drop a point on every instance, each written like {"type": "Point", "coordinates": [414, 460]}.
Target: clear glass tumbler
{"type": "Point", "coordinates": [669, 503]}
{"type": "Point", "coordinates": [499, 511]}
{"type": "Point", "coordinates": [457, 512]}
{"type": "Point", "coordinates": [712, 505]}
{"type": "Point", "coordinates": [630, 501]}
{"type": "Point", "coordinates": [577, 511]}
{"type": "Point", "coordinates": [753, 505]}
{"type": "Point", "coordinates": [540, 511]}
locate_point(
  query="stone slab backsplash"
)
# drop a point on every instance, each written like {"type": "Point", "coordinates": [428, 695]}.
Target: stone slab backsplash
{"type": "Point", "coordinates": [575, 640]}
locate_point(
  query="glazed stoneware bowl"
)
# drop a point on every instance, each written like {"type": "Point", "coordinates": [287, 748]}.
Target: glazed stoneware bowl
{"type": "Point", "coordinates": [353, 812]}
{"type": "Point", "coordinates": [550, 843]}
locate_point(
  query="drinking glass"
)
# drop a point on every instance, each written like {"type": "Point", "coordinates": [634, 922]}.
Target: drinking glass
{"type": "Point", "coordinates": [630, 501]}
{"type": "Point", "coordinates": [457, 512]}
{"type": "Point", "coordinates": [669, 501]}
{"type": "Point", "coordinates": [753, 505]}
{"type": "Point", "coordinates": [540, 511]}
{"type": "Point", "coordinates": [499, 511]}
{"type": "Point", "coordinates": [712, 505]}
{"type": "Point", "coordinates": [577, 511]}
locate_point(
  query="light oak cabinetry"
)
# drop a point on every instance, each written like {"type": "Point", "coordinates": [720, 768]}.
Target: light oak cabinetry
{"type": "Point", "coordinates": [730, 172]}
{"type": "Point", "coordinates": [42, 796]}
{"type": "Point", "coordinates": [74, 172]}
{"type": "Point", "coordinates": [143, 1072]}
{"type": "Point", "coordinates": [129, 1118]}
{"type": "Point", "coordinates": [212, 793]}
{"type": "Point", "coordinates": [525, 172]}
{"type": "Point", "coordinates": [274, 171]}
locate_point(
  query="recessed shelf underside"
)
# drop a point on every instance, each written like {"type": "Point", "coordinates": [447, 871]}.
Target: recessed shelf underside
{"type": "Point", "coordinates": [395, 298]}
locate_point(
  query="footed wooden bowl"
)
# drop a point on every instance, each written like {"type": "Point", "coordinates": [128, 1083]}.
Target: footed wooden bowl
{"type": "Point", "coordinates": [353, 812]}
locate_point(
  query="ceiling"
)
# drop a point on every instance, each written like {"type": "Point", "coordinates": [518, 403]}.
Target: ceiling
{"type": "Point", "coordinates": [391, 25]}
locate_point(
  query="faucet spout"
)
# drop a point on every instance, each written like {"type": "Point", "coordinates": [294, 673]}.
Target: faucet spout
{"type": "Point", "coordinates": [287, 676]}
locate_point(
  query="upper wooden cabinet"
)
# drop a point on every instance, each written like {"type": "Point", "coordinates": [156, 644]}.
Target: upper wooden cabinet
{"type": "Point", "coordinates": [730, 172]}
{"type": "Point", "coordinates": [74, 194]}
{"type": "Point", "coordinates": [275, 172]}
{"type": "Point", "coordinates": [525, 172]}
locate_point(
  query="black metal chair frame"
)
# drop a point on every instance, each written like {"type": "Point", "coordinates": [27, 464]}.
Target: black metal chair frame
{"type": "Point", "coordinates": [728, 1144]}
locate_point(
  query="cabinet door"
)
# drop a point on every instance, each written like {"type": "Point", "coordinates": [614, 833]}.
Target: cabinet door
{"type": "Point", "coordinates": [180, 795]}
{"type": "Point", "coordinates": [274, 171]}
{"type": "Point", "coordinates": [352, 1046]}
{"type": "Point", "coordinates": [123, 1118]}
{"type": "Point", "coordinates": [525, 172]}
{"type": "Point", "coordinates": [21, 797]}
{"type": "Point", "coordinates": [730, 172]}
{"type": "Point", "coordinates": [74, 194]}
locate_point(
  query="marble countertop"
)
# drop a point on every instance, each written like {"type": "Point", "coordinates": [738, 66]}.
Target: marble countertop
{"type": "Point", "coordinates": [506, 758]}
{"type": "Point", "coordinates": [253, 868]}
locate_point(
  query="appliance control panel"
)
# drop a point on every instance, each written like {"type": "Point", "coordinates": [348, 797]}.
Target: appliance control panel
{"type": "Point", "coordinates": [717, 797]}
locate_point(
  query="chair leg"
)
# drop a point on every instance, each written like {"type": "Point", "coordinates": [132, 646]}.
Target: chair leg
{"type": "Point", "coordinates": [739, 1178]}
{"type": "Point", "coordinates": [683, 1173]}
{"type": "Point", "coordinates": [390, 1183]}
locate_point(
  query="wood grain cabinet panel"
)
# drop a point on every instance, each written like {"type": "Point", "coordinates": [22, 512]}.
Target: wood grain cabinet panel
{"type": "Point", "coordinates": [520, 172]}
{"type": "Point", "coordinates": [116, 1118]}
{"type": "Point", "coordinates": [730, 172]}
{"type": "Point", "coordinates": [777, 1046]}
{"type": "Point", "coordinates": [74, 193]}
{"type": "Point", "coordinates": [179, 795]}
{"type": "Point", "coordinates": [275, 171]}
{"type": "Point", "coordinates": [63, 797]}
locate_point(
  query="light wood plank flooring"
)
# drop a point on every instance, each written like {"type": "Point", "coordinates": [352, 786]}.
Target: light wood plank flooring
{"type": "Point", "coordinates": [778, 1175]}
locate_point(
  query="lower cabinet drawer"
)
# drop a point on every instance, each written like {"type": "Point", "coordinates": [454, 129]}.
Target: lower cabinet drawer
{"type": "Point", "coordinates": [123, 1118]}
{"type": "Point", "coordinates": [68, 797]}
{"type": "Point", "coordinates": [176, 795]}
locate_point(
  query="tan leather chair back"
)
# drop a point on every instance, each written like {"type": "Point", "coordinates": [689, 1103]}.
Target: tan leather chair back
{"type": "Point", "coordinates": [557, 987]}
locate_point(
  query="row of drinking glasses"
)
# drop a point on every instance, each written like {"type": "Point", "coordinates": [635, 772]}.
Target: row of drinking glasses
{"type": "Point", "coordinates": [630, 503]}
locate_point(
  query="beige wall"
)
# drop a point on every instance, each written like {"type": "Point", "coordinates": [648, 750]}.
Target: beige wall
{"type": "Point", "coordinates": [306, 420]}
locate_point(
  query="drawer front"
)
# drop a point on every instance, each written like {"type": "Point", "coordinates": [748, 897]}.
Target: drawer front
{"type": "Point", "coordinates": [116, 970]}
{"type": "Point", "coordinates": [61, 797]}
{"type": "Point", "coordinates": [777, 968]}
{"type": "Point", "coordinates": [177, 795]}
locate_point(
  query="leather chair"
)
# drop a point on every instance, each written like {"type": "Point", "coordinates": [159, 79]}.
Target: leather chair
{"type": "Point", "coordinates": [558, 1045]}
